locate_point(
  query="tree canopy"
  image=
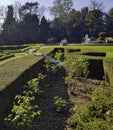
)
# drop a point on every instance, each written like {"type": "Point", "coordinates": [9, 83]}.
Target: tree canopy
{"type": "Point", "coordinates": [24, 23]}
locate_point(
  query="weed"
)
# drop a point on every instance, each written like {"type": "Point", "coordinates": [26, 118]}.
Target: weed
{"type": "Point", "coordinates": [60, 104]}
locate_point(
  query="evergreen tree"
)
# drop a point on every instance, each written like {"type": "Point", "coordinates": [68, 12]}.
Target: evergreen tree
{"type": "Point", "coordinates": [29, 25]}
{"type": "Point", "coordinates": [29, 29]}
{"type": "Point", "coordinates": [95, 22]}
{"type": "Point", "coordinates": [44, 28]}
{"type": "Point", "coordinates": [94, 19]}
{"type": "Point", "coordinates": [74, 26]}
{"type": "Point", "coordinates": [9, 27]}
{"type": "Point", "coordinates": [109, 23]}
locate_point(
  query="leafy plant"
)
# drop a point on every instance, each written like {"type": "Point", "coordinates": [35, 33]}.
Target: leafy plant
{"type": "Point", "coordinates": [33, 84]}
{"type": "Point", "coordinates": [110, 39]}
{"type": "Point", "coordinates": [59, 55]}
{"type": "Point", "coordinates": [23, 112]}
{"type": "Point", "coordinates": [60, 103]}
{"type": "Point", "coordinates": [76, 67]}
{"type": "Point", "coordinates": [98, 40]}
{"type": "Point", "coordinates": [68, 79]}
{"type": "Point", "coordinates": [50, 67]}
{"type": "Point", "coordinates": [98, 114]}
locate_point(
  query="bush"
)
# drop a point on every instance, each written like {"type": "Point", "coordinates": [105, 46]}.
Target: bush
{"type": "Point", "coordinates": [110, 39]}
{"type": "Point", "coordinates": [23, 112]}
{"type": "Point", "coordinates": [51, 40]}
{"type": "Point", "coordinates": [98, 40]}
{"type": "Point", "coordinates": [102, 35]}
{"type": "Point", "coordinates": [77, 67]}
{"type": "Point", "coordinates": [98, 114]}
{"type": "Point", "coordinates": [60, 104]}
{"type": "Point", "coordinates": [59, 55]}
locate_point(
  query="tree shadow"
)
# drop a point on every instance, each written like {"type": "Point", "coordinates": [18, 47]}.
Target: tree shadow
{"type": "Point", "coordinates": [50, 119]}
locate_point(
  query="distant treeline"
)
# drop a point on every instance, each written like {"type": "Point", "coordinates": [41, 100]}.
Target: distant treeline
{"type": "Point", "coordinates": [27, 24]}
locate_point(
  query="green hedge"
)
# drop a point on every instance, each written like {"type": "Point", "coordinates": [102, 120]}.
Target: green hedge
{"type": "Point", "coordinates": [6, 57]}
{"type": "Point", "coordinates": [110, 39]}
{"type": "Point", "coordinates": [98, 40]}
{"type": "Point", "coordinates": [108, 68]}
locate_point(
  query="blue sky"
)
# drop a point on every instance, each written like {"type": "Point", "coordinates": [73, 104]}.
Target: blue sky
{"type": "Point", "coordinates": [78, 4]}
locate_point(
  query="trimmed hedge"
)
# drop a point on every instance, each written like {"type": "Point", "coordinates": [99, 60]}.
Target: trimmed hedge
{"type": "Point", "coordinates": [4, 57]}
{"type": "Point", "coordinates": [108, 68]}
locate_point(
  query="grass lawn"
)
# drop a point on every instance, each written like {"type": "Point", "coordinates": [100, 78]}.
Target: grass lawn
{"type": "Point", "coordinates": [107, 49]}
{"type": "Point", "coordinates": [11, 69]}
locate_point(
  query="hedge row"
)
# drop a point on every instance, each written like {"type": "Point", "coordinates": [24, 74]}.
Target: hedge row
{"type": "Point", "coordinates": [108, 68]}
{"type": "Point", "coordinates": [4, 57]}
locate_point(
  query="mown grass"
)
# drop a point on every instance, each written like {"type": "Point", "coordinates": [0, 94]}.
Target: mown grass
{"type": "Point", "coordinates": [6, 57]}
{"type": "Point", "coordinates": [10, 70]}
{"type": "Point", "coordinates": [107, 49]}
{"type": "Point", "coordinates": [107, 60]}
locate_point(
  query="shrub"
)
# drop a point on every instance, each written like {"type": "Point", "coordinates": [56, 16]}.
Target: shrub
{"type": "Point", "coordinates": [102, 35]}
{"type": "Point", "coordinates": [98, 40]}
{"type": "Point", "coordinates": [52, 40]}
{"type": "Point", "coordinates": [110, 39]}
{"type": "Point", "coordinates": [23, 112]}
{"type": "Point", "coordinates": [60, 104]}
{"type": "Point", "coordinates": [77, 67]}
{"type": "Point", "coordinates": [98, 114]}
{"type": "Point", "coordinates": [59, 55]}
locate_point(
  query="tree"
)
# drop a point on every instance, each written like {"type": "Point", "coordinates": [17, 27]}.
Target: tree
{"type": "Point", "coordinates": [60, 11]}
{"type": "Point", "coordinates": [95, 19]}
{"type": "Point", "coordinates": [94, 5]}
{"type": "Point", "coordinates": [9, 27]}
{"type": "Point", "coordinates": [16, 8]}
{"type": "Point", "coordinates": [9, 18]}
{"type": "Point", "coordinates": [44, 29]}
{"type": "Point", "coordinates": [84, 12]}
{"type": "Point", "coordinates": [31, 8]}
{"type": "Point", "coordinates": [74, 26]}
{"type": "Point", "coordinates": [109, 23]}
{"type": "Point", "coordinates": [29, 24]}
{"type": "Point", "coordinates": [2, 17]}
{"type": "Point", "coordinates": [28, 8]}
{"type": "Point", "coordinates": [2, 13]}
{"type": "Point", "coordinates": [29, 29]}
{"type": "Point", "coordinates": [41, 11]}
{"type": "Point", "coordinates": [61, 8]}
{"type": "Point", "coordinates": [95, 22]}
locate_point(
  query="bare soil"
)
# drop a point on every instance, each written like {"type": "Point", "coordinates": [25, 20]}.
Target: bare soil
{"type": "Point", "coordinates": [79, 91]}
